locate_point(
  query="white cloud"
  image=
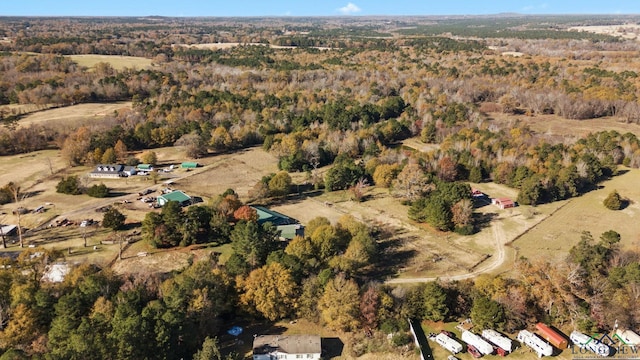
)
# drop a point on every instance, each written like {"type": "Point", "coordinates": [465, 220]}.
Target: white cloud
{"type": "Point", "coordinates": [349, 9]}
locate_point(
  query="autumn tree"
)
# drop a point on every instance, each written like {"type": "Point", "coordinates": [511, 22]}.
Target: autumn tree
{"type": "Point", "coordinates": [246, 213]}
{"type": "Point", "coordinates": [109, 156]}
{"type": "Point", "coordinates": [120, 150]}
{"type": "Point", "coordinates": [193, 144]}
{"type": "Point", "coordinates": [340, 304]}
{"type": "Point", "coordinates": [271, 291]}
{"type": "Point", "coordinates": [384, 174]}
{"type": "Point", "coordinates": [462, 216]}
{"type": "Point", "coordinates": [412, 182]}
{"type": "Point", "coordinates": [149, 157]}
{"type": "Point", "coordinates": [280, 184]}
{"type": "Point", "coordinates": [76, 146]}
{"type": "Point", "coordinates": [369, 305]}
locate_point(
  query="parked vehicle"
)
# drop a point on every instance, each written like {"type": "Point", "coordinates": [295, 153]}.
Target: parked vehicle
{"type": "Point", "coordinates": [473, 351]}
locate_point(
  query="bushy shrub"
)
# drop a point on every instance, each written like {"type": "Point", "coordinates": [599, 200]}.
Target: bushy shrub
{"type": "Point", "coordinates": [69, 185]}
{"type": "Point", "coordinates": [98, 191]}
{"type": "Point", "coordinates": [613, 201]}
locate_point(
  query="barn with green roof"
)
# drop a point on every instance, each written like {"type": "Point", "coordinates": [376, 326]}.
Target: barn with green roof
{"type": "Point", "coordinates": [289, 227]}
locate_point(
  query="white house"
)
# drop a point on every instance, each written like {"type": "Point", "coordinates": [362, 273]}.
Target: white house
{"type": "Point", "coordinates": [286, 347]}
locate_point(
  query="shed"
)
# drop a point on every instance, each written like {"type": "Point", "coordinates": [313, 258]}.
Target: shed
{"type": "Point", "coordinates": [189, 165]}
{"type": "Point", "coordinates": [553, 337]}
{"type": "Point", "coordinates": [145, 167]}
{"type": "Point", "coordinates": [503, 203]}
{"type": "Point", "coordinates": [176, 195]}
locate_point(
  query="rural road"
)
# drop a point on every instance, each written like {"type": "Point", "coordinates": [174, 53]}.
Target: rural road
{"type": "Point", "coordinates": [492, 263]}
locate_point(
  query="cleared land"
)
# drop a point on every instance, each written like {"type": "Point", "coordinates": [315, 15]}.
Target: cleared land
{"type": "Point", "coordinates": [627, 31]}
{"type": "Point", "coordinates": [73, 116]}
{"type": "Point", "coordinates": [116, 61]}
{"type": "Point", "coordinates": [553, 238]}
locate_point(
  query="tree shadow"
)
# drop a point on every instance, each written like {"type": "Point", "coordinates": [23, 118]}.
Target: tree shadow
{"type": "Point", "coordinates": [331, 347]}
{"type": "Point", "coordinates": [243, 343]}
{"type": "Point", "coordinates": [483, 221]}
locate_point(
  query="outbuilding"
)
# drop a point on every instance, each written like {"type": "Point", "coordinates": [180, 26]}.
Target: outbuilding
{"type": "Point", "coordinates": [289, 227]}
{"type": "Point", "coordinates": [269, 347]}
{"type": "Point", "coordinates": [175, 195]}
{"type": "Point", "coordinates": [503, 203]}
{"type": "Point", "coordinates": [189, 165]}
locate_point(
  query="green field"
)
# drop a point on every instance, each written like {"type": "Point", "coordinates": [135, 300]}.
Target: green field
{"type": "Point", "coordinates": [116, 61]}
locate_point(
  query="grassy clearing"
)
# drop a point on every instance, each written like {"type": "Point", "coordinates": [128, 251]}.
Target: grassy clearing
{"type": "Point", "coordinates": [554, 125]}
{"type": "Point", "coordinates": [116, 61]}
{"type": "Point", "coordinates": [553, 238]}
{"type": "Point", "coordinates": [71, 117]}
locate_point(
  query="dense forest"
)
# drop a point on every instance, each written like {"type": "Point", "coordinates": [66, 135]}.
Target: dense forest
{"type": "Point", "coordinates": [321, 92]}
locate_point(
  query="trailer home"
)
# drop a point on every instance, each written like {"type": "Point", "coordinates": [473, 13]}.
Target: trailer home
{"type": "Point", "coordinates": [472, 339]}
{"type": "Point", "coordinates": [592, 344]}
{"type": "Point", "coordinates": [534, 342]}
{"type": "Point", "coordinates": [448, 343]}
{"type": "Point", "coordinates": [498, 339]}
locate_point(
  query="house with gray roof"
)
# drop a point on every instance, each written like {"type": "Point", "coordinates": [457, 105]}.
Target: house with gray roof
{"type": "Point", "coordinates": [287, 347]}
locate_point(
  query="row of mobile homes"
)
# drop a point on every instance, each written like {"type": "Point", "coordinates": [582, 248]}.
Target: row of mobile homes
{"type": "Point", "coordinates": [586, 342]}
{"type": "Point", "coordinates": [534, 342]}
{"type": "Point", "coordinates": [498, 339]}
{"type": "Point", "coordinates": [479, 343]}
{"type": "Point", "coordinates": [448, 343]}
{"type": "Point", "coordinates": [553, 337]}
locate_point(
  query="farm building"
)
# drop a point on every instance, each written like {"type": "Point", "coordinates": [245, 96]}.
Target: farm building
{"type": "Point", "coordinates": [145, 167]}
{"type": "Point", "coordinates": [503, 203]}
{"type": "Point", "coordinates": [189, 165]}
{"type": "Point", "coordinates": [287, 226]}
{"type": "Point", "coordinates": [553, 337]}
{"type": "Point", "coordinates": [8, 229]}
{"type": "Point", "coordinates": [112, 171]}
{"type": "Point", "coordinates": [272, 347]}
{"type": "Point", "coordinates": [175, 195]}
{"type": "Point", "coordinates": [534, 342]}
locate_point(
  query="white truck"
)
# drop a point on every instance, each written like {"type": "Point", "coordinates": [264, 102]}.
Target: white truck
{"type": "Point", "coordinates": [448, 343]}
{"type": "Point", "coordinates": [585, 342]}
{"type": "Point", "coordinates": [500, 340]}
{"type": "Point", "coordinates": [472, 339]}
{"type": "Point", "coordinates": [537, 344]}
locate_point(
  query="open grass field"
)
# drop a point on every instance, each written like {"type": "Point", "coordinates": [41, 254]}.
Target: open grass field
{"type": "Point", "coordinates": [553, 238]}
{"type": "Point", "coordinates": [70, 117]}
{"type": "Point", "coordinates": [554, 125]}
{"type": "Point", "coordinates": [116, 61]}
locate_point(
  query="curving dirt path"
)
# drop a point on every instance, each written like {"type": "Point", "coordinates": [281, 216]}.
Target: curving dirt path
{"type": "Point", "coordinates": [495, 261]}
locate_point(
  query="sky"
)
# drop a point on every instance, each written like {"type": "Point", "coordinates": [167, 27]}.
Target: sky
{"type": "Point", "coordinates": [310, 7]}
